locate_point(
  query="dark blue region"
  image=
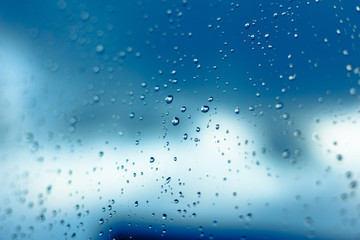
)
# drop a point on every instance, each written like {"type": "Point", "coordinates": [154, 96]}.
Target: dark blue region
{"type": "Point", "coordinates": [142, 231]}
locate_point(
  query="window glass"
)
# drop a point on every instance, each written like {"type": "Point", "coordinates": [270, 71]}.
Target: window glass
{"type": "Point", "coordinates": [179, 119]}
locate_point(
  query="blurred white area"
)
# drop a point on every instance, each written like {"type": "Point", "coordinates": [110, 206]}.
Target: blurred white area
{"type": "Point", "coordinates": [304, 200]}
{"type": "Point", "coordinates": [14, 75]}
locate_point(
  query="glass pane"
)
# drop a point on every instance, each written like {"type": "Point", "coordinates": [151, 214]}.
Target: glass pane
{"type": "Point", "coordinates": [164, 119]}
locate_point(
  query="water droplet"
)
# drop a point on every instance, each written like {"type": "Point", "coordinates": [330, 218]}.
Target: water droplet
{"type": "Point", "coordinates": [164, 216]}
{"type": "Point", "coordinates": [247, 25]}
{"type": "Point", "coordinates": [292, 77]}
{"type": "Point", "coordinates": [297, 133]}
{"type": "Point", "coordinates": [136, 203]}
{"type": "Point", "coordinates": [185, 136]}
{"type": "Point", "coordinates": [131, 115]}
{"type": "Point", "coordinates": [197, 129]}
{"type": "Point", "coordinates": [152, 159]}
{"type": "Point", "coordinates": [237, 110]}
{"type": "Point", "coordinates": [183, 109]}
{"type": "Point", "coordinates": [175, 121]}
{"type": "Point", "coordinates": [96, 98]}
{"type": "Point", "coordinates": [101, 221]}
{"type": "Point", "coordinates": [168, 180]}
{"type": "Point", "coordinates": [205, 109]}
{"type": "Point", "coordinates": [353, 184]}
{"type": "Point", "coordinates": [210, 99]}
{"type": "Point", "coordinates": [308, 222]}
{"type": "Point", "coordinates": [349, 67]}
{"type": "Point", "coordinates": [285, 153]}
{"type": "Point", "coordinates": [99, 48]}
{"type": "Point", "coordinates": [279, 105]}
{"type": "Point", "coordinates": [169, 99]}
{"type": "Point", "coordinates": [352, 91]}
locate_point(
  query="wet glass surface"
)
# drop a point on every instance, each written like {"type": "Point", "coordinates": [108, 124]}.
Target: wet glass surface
{"type": "Point", "coordinates": [179, 119]}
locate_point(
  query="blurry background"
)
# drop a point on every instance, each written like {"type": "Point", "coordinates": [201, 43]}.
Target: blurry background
{"type": "Point", "coordinates": [179, 119]}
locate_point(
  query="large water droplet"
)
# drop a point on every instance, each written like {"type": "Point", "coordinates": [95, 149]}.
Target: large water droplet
{"type": "Point", "coordinates": [175, 121]}
{"type": "Point", "coordinates": [205, 109]}
{"type": "Point", "coordinates": [169, 99]}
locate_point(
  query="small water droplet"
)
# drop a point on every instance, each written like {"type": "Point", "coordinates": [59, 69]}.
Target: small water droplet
{"type": "Point", "coordinates": [99, 48]}
{"type": "Point", "coordinates": [285, 153]}
{"type": "Point", "coordinates": [168, 180]}
{"type": "Point", "coordinates": [297, 133]}
{"type": "Point", "coordinates": [308, 222]}
{"type": "Point", "coordinates": [279, 105]}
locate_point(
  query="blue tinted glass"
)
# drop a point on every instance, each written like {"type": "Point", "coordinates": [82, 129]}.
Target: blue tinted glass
{"type": "Point", "coordinates": [179, 119]}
